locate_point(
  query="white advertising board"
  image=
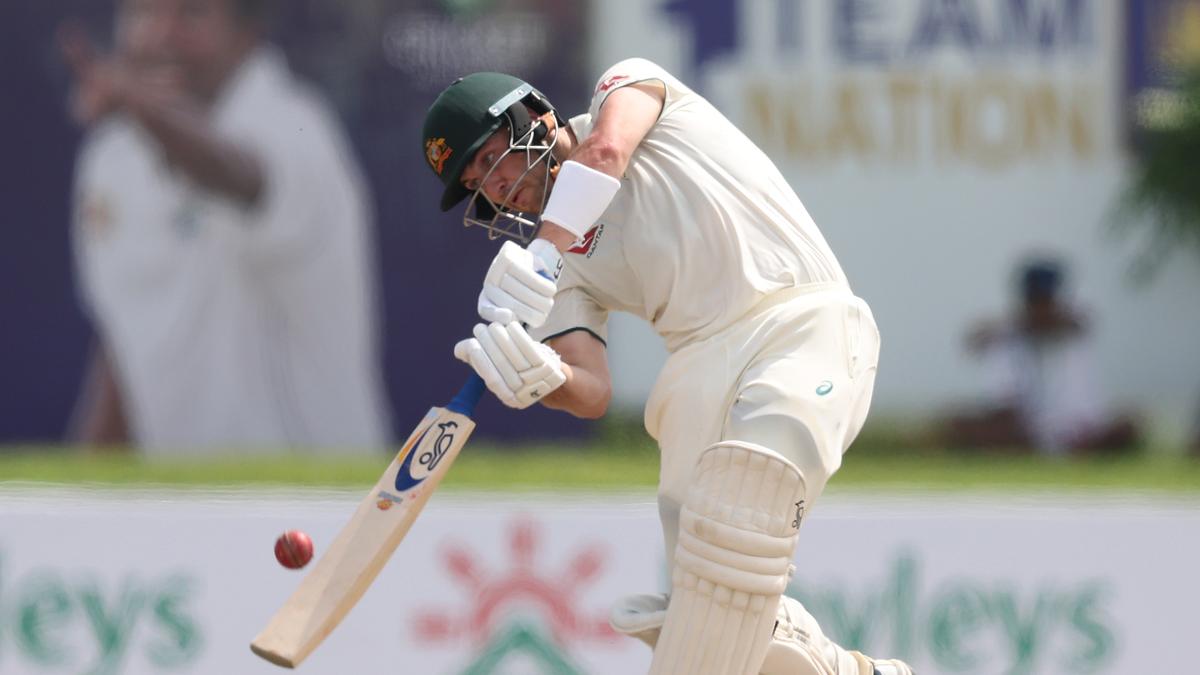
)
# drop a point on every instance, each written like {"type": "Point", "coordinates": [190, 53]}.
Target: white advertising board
{"type": "Point", "coordinates": [134, 584]}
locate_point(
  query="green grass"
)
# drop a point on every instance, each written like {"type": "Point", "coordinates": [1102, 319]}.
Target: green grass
{"type": "Point", "coordinates": [602, 466]}
{"type": "Point", "coordinates": [948, 471]}
{"type": "Point", "coordinates": [478, 467]}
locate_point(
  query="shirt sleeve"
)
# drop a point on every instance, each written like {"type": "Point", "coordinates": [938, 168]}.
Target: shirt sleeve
{"type": "Point", "coordinates": [573, 310]}
{"type": "Point", "coordinates": [633, 71]}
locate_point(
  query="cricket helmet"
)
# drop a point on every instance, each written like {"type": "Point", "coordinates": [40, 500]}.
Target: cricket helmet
{"type": "Point", "coordinates": [462, 118]}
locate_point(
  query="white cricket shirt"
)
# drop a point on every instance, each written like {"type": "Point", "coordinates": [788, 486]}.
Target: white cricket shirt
{"type": "Point", "coordinates": [232, 327]}
{"type": "Point", "coordinates": [703, 227]}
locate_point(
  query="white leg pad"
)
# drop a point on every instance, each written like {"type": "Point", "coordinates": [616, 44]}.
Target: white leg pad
{"type": "Point", "coordinates": [737, 534]}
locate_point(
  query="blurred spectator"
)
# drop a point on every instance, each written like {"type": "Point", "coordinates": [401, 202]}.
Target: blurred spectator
{"type": "Point", "coordinates": [1042, 391]}
{"type": "Point", "coordinates": [222, 240]}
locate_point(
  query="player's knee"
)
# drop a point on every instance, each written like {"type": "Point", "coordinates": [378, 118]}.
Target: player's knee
{"type": "Point", "coordinates": [790, 437]}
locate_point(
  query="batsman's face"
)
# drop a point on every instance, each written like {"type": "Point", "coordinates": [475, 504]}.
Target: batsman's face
{"type": "Point", "coordinates": [513, 179]}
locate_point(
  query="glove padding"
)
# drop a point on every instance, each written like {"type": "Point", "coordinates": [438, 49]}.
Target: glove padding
{"type": "Point", "coordinates": [521, 283]}
{"type": "Point", "coordinates": [518, 370]}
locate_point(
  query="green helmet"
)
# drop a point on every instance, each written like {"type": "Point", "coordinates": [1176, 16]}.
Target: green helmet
{"type": "Point", "coordinates": [466, 114]}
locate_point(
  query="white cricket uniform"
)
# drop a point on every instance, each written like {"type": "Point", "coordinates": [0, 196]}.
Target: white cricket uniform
{"type": "Point", "coordinates": [707, 241]}
{"type": "Point", "coordinates": [231, 327]}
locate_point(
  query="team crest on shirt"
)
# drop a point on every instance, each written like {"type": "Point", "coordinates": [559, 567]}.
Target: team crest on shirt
{"type": "Point", "coordinates": [587, 246]}
{"type": "Point", "coordinates": [610, 82]}
{"type": "Point", "coordinates": [437, 152]}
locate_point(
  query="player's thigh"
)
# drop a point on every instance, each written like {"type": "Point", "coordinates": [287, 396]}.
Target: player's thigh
{"type": "Point", "coordinates": [686, 414]}
{"type": "Point", "coordinates": [686, 410]}
{"type": "Point", "coordinates": [808, 402]}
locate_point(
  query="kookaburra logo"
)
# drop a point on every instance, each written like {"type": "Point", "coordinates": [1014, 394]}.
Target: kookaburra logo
{"type": "Point", "coordinates": [418, 460]}
{"type": "Point", "coordinates": [445, 438]}
{"type": "Point", "coordinates": [799, 514]}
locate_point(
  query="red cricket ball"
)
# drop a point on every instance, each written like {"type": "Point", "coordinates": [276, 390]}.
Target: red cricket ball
{"type": "Point", "coordinates": [293, 549]}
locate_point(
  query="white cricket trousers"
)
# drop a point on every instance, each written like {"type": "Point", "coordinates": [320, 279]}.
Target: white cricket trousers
{"type": "Point", "coordinates": [794, 374]}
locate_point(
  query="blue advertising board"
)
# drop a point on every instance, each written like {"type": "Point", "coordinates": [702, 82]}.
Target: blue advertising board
{"type": "Point", "coordinates": [1163, 44]}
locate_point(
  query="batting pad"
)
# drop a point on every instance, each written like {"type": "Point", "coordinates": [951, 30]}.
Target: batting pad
{"type": "Point", "coordinates": [737, 532]}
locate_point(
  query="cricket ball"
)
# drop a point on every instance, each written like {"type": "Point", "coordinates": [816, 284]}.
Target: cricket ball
{"type": "Point", "coordinates": [293, 549]}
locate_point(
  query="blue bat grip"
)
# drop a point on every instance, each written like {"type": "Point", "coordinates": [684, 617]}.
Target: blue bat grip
{"type": "Point", "coordinates": [467, 398]}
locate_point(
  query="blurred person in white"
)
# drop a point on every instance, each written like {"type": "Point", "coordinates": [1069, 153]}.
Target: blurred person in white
{"type": "Point", "coordinates": [1041, 390]}
{"type": "Point", "coordinates": [222, 241]}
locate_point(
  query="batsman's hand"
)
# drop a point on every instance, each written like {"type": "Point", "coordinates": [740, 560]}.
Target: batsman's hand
{"type": "Point", "coordinates": [521, 283]}
{"type": "Point", "coordinates": [518, 370]}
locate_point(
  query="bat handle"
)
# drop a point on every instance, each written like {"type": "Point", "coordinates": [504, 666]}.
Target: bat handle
{"type": "Point", "coordinates": [467, 398]}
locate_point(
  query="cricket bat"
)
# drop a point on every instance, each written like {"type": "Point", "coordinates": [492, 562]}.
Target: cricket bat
{"type": "Point", "coordinates": [364, 545]}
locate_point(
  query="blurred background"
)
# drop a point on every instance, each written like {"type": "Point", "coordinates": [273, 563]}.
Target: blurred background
{"type": "Point", "coordinates": [1011, 184]}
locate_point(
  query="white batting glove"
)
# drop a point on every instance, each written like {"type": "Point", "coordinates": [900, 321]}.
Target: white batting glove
{"type": "Point", "coordinates": [521, 283]}
{"type": "Point", "coordinates": [518, 370]}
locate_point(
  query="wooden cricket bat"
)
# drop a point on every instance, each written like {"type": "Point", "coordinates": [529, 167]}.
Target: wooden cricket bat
{"type": "Point", "coordinates": [349, 565]}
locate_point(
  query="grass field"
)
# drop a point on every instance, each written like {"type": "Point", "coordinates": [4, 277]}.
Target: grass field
{"type": "Point", "coordinates": [602, 466]}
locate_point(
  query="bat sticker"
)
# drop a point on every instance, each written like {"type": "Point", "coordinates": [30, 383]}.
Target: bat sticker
{"type": "Point", "coordinates": [409, 476]}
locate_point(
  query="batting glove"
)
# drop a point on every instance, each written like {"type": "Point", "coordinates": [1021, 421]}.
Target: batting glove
{"type": "Point", "coordinates": [521, 283]}
{"type": "Point", "coordinates": [518, 370]}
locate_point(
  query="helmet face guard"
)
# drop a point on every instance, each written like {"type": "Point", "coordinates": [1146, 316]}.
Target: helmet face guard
{"type": "Point", "coordinates": [537, 147]}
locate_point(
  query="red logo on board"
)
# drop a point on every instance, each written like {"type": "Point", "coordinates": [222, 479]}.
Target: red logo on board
{"type": "Point", "coordinates": [555, 597]}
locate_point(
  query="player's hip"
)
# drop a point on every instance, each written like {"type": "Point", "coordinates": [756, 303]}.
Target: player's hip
{"type": "Point", "coordinates": [817, 337]}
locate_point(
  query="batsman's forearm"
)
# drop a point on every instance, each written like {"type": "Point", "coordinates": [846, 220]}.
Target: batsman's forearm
{"type": "Point", "coordinates": [190, 144]}
{"type": "Point", "coordinates": [557, 235]}
{"type": "Point", "coordinates": [584, 394]}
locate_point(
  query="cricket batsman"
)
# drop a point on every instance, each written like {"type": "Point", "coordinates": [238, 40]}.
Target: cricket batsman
{"type": "Point", "coordinates": [653, 203]}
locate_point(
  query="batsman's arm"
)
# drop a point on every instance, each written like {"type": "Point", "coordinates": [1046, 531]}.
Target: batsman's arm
{"type": "Point", "coordinates": [588, 388]}
{"type": "Point", "coordinates": [626, 117]}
